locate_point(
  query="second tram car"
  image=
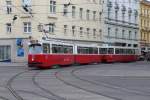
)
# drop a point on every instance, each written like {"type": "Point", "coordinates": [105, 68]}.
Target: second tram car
{"type": "Point", "coordinates": [47, 54]}
{"type": "Point", "coordinates": [119, 54]}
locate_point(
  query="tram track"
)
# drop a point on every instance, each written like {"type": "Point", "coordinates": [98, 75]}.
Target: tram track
{"type": "Point", "coordinates": [101, 83]}
{"type": "Point", "coordinates": [67, 84]}
{"type": "Point", "coordinates": [81, 88]}
{"type": "Point", "coordinates": [55, 96]}
{"type": "Point", "coordinates": [109, 85]}
{"type": "Point", "coordinates": [58, 74]}
{"type": "Point", "coordinates": [12, 90]}
{"type": "Point", "coordinates": [16, 93]}
{"type": "Point", "coordinates": [3, 98]}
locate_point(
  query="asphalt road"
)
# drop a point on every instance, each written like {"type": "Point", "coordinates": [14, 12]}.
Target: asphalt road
{"type": "Point", "coordinates": [117, 81]}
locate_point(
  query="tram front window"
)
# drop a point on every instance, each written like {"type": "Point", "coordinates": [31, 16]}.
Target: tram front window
{"type": "Point", "coordinates": [35, 49]}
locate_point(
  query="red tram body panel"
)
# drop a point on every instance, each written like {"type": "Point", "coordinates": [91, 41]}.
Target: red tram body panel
{"type": "Point", "coordinates": [50, 60]}
{"type": "Point", "coordinates": [120, 58]}
{"type": "Point", "coordinates": [35, 60]}
{"type": "Point", "coordinates": [86, 59]}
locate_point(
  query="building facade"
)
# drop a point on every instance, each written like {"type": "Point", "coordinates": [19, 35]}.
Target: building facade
{"type": "Point", "coordinates": [70, 20]}
{"type": "Point", "coordinates": [121, 22]}
{"type": "Point", "coordinates": [145, 23]}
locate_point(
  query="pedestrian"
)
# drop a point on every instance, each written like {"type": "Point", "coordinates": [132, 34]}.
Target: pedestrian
{"type": "Point", "coordinates": [148, 56]}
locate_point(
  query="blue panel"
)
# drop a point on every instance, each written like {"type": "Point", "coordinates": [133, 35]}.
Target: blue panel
{"type": "Point", "coordinates": [19, 42]}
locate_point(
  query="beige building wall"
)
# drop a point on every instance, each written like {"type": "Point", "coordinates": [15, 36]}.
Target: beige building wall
{"type": "Point", "coordinates": [41, 15]}
{"type": "Point", "coordinates": [145, 23]}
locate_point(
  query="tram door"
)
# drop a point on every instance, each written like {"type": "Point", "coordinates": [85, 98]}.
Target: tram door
{"type": "Point", "coordinates": [5, 53]}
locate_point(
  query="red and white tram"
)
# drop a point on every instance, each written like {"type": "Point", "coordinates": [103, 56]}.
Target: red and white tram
{"type": "Point", "coordinates": [47, 54]}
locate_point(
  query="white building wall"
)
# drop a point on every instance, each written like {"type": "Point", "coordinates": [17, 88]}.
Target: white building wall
{"type": "Point", "coordinates": [119, 22]}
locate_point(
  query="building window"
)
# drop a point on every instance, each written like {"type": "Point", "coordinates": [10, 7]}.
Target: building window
{"type": "Point", "coordinates": [81, 31]}
{"type": "Point", "coordinates": [27, 27]}
{"type": "Point", "coordinates": [65, 29]}
{"type": "Point", "coordinates": [116, 14]}
{"type": "Point", "coordinates": [129, 14]}
{"type": "Point", "coordinates": [5, 53]}
{"type": "Point", "coordinates": [100, 33]}
{"type": "Point", "coordinates": [123, 12]}
{"type": "Point", "coordinates": [109, 11]}
{"type": "Point", "coordinates": [130, 34]}
{"type": "Point", "coordinates": [116, 10]}
{"type": "Point", "coordinates": [123, 34]}
{"type": "Point", "coordinates": [88, 14]}
{"type": "Point", "coordinates": [94, 15]}
{"type": "Point", "coordinates": [65, 10]}
{"type": "Point", "coordinates": [123, 16]}
{"type": "Point", "coordinates": [109, 5]}
{"type": "Point", "coordinates": [88, 32]}
{"type": "Point", "coordinates": [116, 33]}
{"type": "Point", "coordinates": [73, 30]}
{"type": "Point", "coordinates": [52, 6]}
{"type": "Point", "coordinates": [135, 35]}
{"type": "Point", "coordinates": [129, 19]}
{"type": "Point", "coordinates": [135, 15]}
{"type": "Point", "coordinates": [81, 13]}
{"type": "Point", "coordinates": [26, 2]}
{"type": "Point", "coordinates": [109, 29]}
{"type": "Point", "coordinates": [94, 33]}
{"type": "Point", "coordinates": [73, 11]}
{"type": "Point", "coordinates": [51, 27]}
{"type": "Point", "coordinates": [100, 16]}
{"type": "Point", "coordinates": [8, 28]}
{"type": "Point", "coordinates": [9, 7]}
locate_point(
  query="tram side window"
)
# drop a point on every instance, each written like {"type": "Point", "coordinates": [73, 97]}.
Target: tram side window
{"type": "Point", "coordinates": [117, 51]}
{"type": "Point", "coordinates": [83, 50]}
{"type": "Point", "coordinates": [121, 51]}
{"type": "Point", "coordinates": [68, 49]}
{"type": "Point", "coordinates": [136, 51]}
{"type": "Point", "coordinates": [90, 50]}
{"type": "Point", "coordinates": [129, 51]}
{"type": "Point", "coordinates": [133, 51]}
{"type": "Point", "coordinates": [57, 48]}
{"type": "Point", "coordinates": [46, 48]}
{"type": "Point", "coordinates": [126, 51]}
{"type": "Point", "coordinates": [103, 50]}
{"type": "Point", "coordinates": [110, 51]}
{"type": "Point", "coordinates": [95, 50]}
{"type": "Point", "coordinates": [78, 50]}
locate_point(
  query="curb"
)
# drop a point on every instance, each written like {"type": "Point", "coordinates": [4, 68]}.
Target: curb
{"type": "Point", "coordinates": [3, 64]}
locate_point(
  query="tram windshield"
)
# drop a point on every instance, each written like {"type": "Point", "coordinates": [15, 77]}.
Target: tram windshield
{"type": "Point", "coordinates": [35, 49]}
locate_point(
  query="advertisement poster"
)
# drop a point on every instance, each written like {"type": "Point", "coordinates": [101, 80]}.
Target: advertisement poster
{"type": "Point", "coordinates": [20, 49]}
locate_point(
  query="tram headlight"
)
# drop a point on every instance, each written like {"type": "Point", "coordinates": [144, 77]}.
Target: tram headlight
{"type": "Point", "coordinates": [32, 58]}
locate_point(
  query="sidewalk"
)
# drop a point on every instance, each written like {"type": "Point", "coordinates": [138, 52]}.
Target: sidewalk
{"type": "Point", "coordinates": [2, 64]}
